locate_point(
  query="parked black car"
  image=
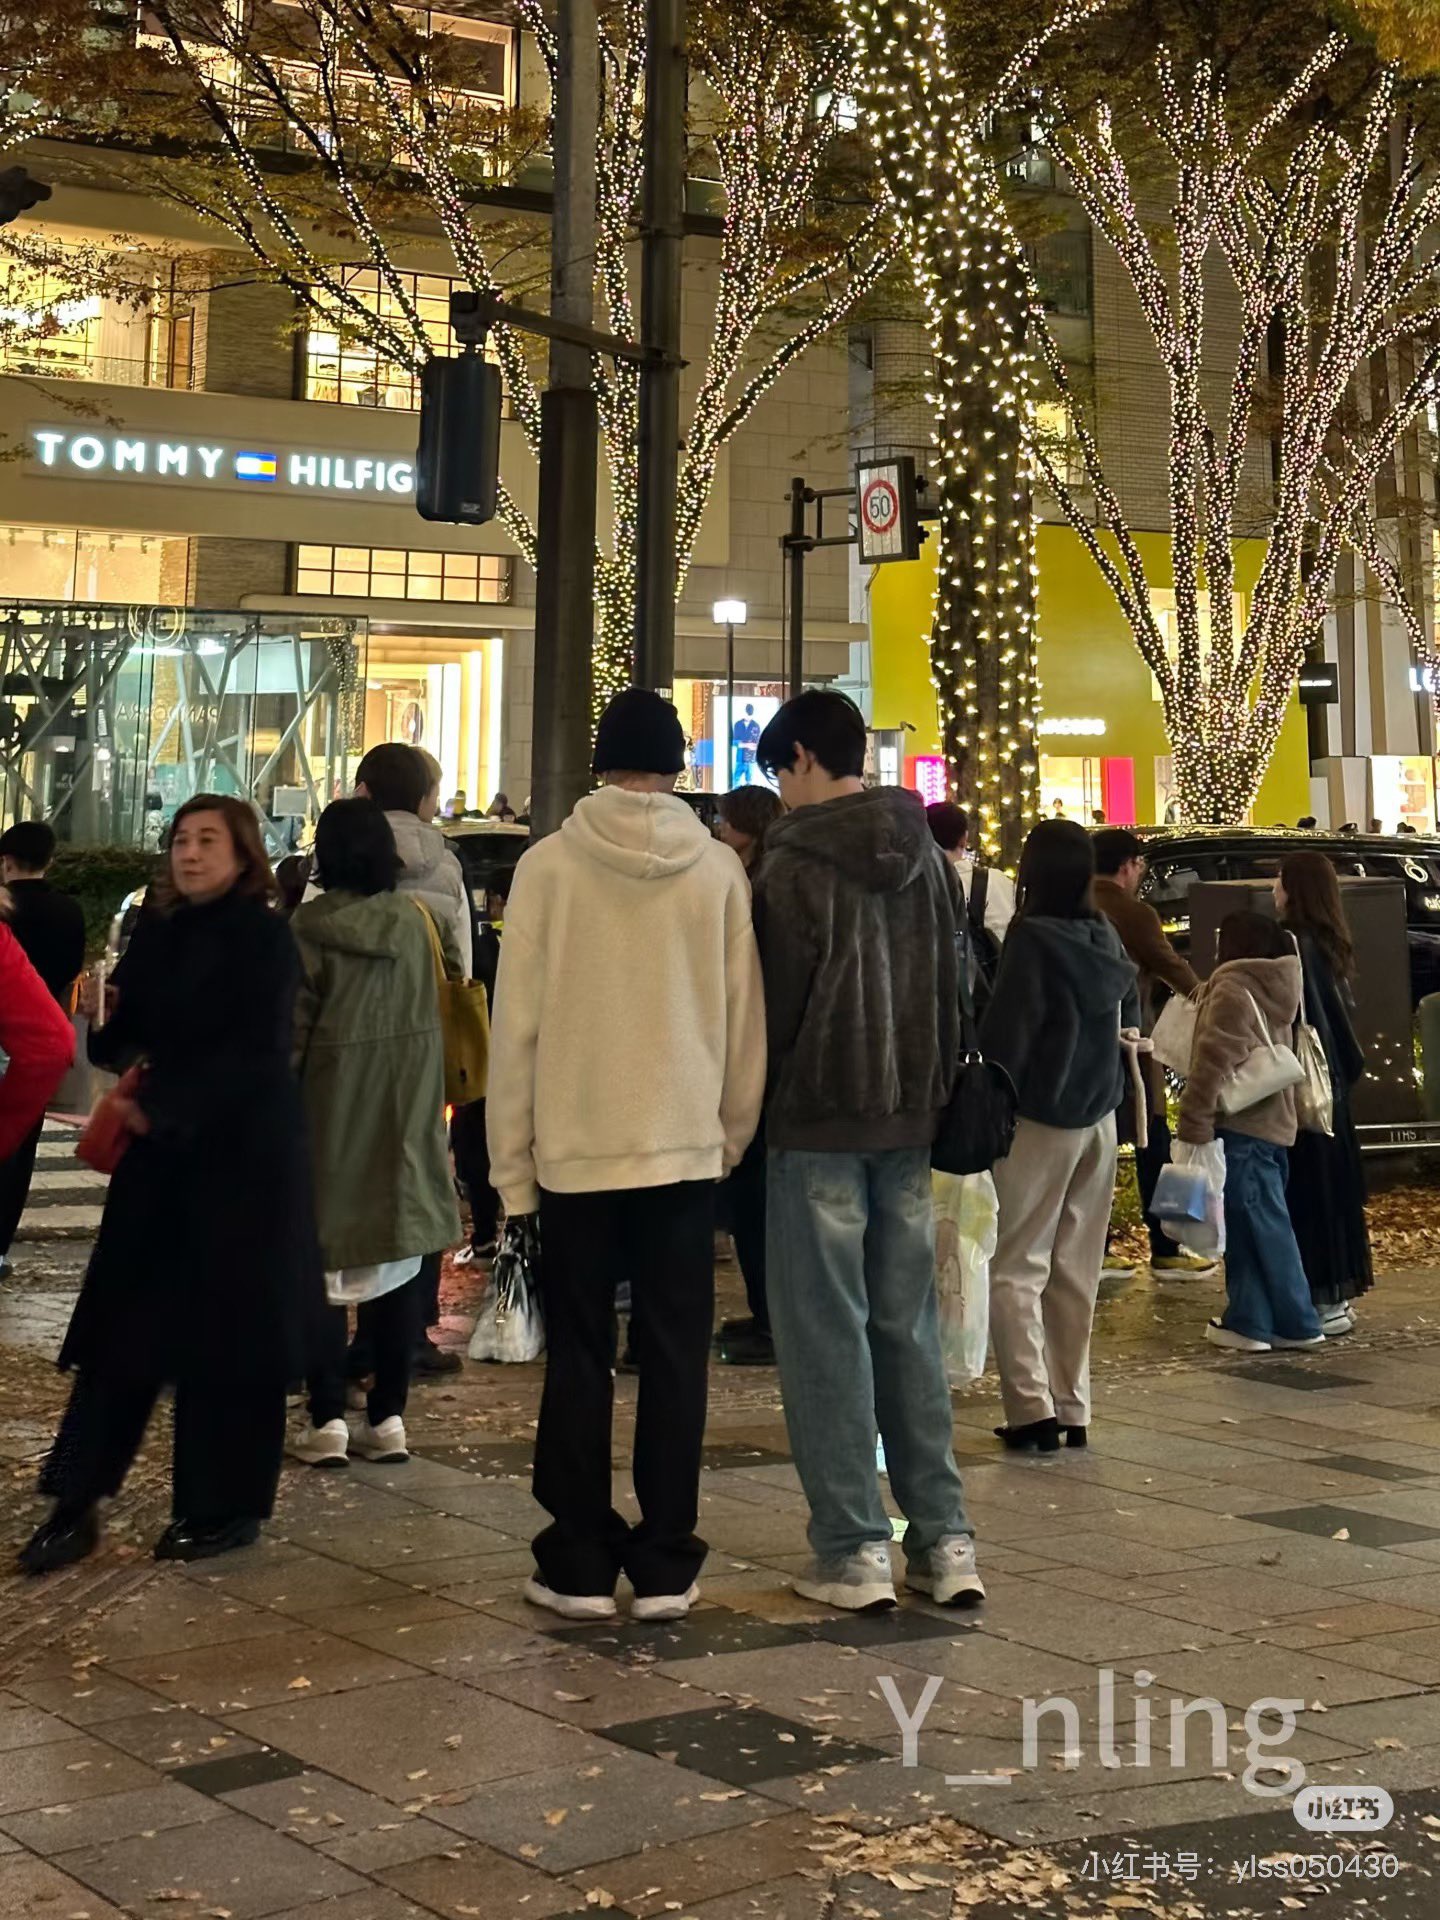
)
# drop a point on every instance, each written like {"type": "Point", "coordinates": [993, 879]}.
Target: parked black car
{"type": "Point", "coordinates": [1178, 858]}
{"type": "Point", "coordinates": [485, 848]}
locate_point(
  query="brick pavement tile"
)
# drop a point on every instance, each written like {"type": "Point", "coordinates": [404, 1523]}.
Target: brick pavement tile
{"type": "Point", "coordinates": [702, 1868]}
{"type": "Point", "coordinates": [67, 1770]}
{"type": "Point", "coordinates": [1095, 1630]}
{"type": "Point", "coordinates": [1129, 1589]}
{"type": "Point", "coordinates": [481, 1882]}
{"type": "Point", "coordinates": [570, 1817]}
{"type": "Point", "coordinates": [211, 1680]}
{"type": "Point", "coordinates": [828, 1687]}
{"type": "Point", "coordinates": [173, 1614]}
{"type": "Point", "coordinates": [1235, 1599]}
{"type": "Point", "coordinates": [995, 1666]}
{"type": "Point", "coordinates": [227, 1773]}
{"type": "Point", "coordinates": [376, 1903]}
{"type": "Point", "coordinates": [115, 1816]}
{"type": "Point", "coordinates": [742, 1745]}
{"type": "Point", "coordinates": [1240, 1675]}
{"type": "Point", "coordinates": [1338, 1565]}
{"type": "Point", "coordinates": [1346, 1620]}
{"type": "Point", "coordinates": [1139, 1810]}
{"type": "Point", "coordinates": [408, 1609]}
{"type": "Point", "coordinates": [35, 1890]}
{"type": "Point", "coordinates": [1111, 1553]}
{"type": "Point", "coordinates": [591, 1692]}
{"type": "Point", "coordinates": [24, 1725]}
{"type": "Point", "coordinates": [791, 1898]}
{"type": "Point", "coordinates": [873, 1797]}
{"type": "Point", "coordinates": [391, 1846]}
{"type": "Point", "coordinates": [417, 1536]}
{"type": "Point", "coordinates": [707, 1631]}
{"type": "Point", "coordinates": [337, 1733]}
{"type": "Point", "coordinates": [314, 1807]}
{"type": "Point", "coordinates": [1404, 1656]}
{"type": "Point", "coordinates": [231, 1862]}
{"type": "Point", "coordinates": [463, 1645]}
{"type": "Point", "coordinates": [1415, 1720]}
{"type": "Point", "coordinates": [506, 1506]}
{"type": "Point", "coordinates": [1325, 1521]}
{"type": "Point", "coordinates": [171, 1736]}
{"type": "Point", "coordinates": [303, 1582]}
{"type": "Point", "coordinates": [469, 1578]}
{"type": "Point", "coordinates": [87, 1698]}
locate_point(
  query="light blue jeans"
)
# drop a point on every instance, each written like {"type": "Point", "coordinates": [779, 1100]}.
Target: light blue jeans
{"type": "Point", "coordinates": [850, 1256]}
{"type": "Point", "coordinates": [1265, 1283]}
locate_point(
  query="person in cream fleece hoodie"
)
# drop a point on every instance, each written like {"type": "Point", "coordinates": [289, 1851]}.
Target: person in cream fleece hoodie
{"type": "Point", "coordinates": [627, 1070]}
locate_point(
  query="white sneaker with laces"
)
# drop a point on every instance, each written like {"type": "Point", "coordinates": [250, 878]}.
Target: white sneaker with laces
{"type": "Point", "coordinates": [570, 1606]}
{"type": "Point", "coordinates": [947, 1572]}
{"type": "Point", "coordinates": [1336, 1321]}
{"type": "Point", "coordinates": [663, 1606]}
{"type": "Point", "coordinates": [384, 1444]}
{"type": "Point", "coordinates": [327, 1446]}
{"type": "Point", "coordinates": [859, 1582]}
{"type": "Point", "coordinates": [1279, 1342]}
{"type": "Point", "coordinates": [1219, 1336]}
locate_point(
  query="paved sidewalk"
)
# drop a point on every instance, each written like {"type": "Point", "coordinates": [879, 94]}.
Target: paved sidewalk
{"type": "Point", "coordinates": [361, 1720]}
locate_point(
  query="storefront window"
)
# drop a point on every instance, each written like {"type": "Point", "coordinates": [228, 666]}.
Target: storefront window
{"type": "Point", "coordinates": [112, 716]}
{"type": "Point", "coordinates": [1402, 789]}
{"type": "Point", "coordinates": [70, 563]}
{"type": "Point", "coordinates": [1071, 788]}
{"type": "Point", "coordinates": [341, 366]}
{"type": "Point", "coordinates": [400, 573]}
{"type": "Point", "coordinates": [91, 325]}
{"type": "Point", "coordinates": [710, 727]}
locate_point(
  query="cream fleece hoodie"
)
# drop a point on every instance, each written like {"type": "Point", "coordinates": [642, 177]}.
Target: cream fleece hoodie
{"type": "Point", "coordinates": [628, 1044]}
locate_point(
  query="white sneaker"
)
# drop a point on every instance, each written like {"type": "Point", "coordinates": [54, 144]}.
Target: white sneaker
{"type": "Point", "coordinates": [570, 1606]}
{"type": "Point", "coordinates": [327, 1446]}
{"type": "Point", "coordinates": [860, 1583]}
{"type": "Point", "coordinates": [1336, 1321]}
{"type": "Point", "coordinates": [947, 1572]}
{"type": "Point", "coordinates": [663, 1606]}
{"type": "Point", "coordinates": [1219, 1336]}
{"type": "Point", "coordinates": [1315, 1340]}
{"type": "Point", "coordinates": [385, 1443]}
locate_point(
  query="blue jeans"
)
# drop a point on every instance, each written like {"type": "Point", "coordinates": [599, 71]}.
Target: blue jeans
{"type": "Point", "coordinates": [1265, 1282]}
{"type": "Point", "coordinates": [851, 1274]}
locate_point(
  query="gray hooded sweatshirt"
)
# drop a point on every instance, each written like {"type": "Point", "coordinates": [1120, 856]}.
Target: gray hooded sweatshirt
{"type": "Point", "coordinates": [431, 870]}
{"type": "Point", "coordinates": [856, 912]}
{"type": "Point", "coordinates": [1064, 990]}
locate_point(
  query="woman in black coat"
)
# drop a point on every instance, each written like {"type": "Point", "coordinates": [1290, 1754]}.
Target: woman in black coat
{"type": "Point", "coordinates": [1327, 1180]}
{"type": "Point", "coordinates": [206, 1274]}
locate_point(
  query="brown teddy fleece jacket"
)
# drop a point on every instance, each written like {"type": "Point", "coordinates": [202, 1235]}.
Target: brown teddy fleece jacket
{"type": "Point", "coordinates": [1226, 1030]}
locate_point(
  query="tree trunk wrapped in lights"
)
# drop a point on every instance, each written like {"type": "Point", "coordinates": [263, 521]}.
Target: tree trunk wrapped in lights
{"type": "Point", "coordinates": [1332, 249]}
{"type": "Point", "coordinates": [931, 136]}
{"type": "Point", "coordinates": [384, 134]}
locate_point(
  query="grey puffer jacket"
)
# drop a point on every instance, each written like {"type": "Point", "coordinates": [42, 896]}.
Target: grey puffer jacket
{"type": "Point", "coordinates": [431, 870]}
{"type": "Point", "coordinates": [856, 912]}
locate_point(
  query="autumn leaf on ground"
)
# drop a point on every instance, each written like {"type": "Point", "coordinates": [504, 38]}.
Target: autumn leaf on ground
{"type": "Point", "coordinates": [555, 1815]}
{"type": "Point", "coordinates": [298, 1684]}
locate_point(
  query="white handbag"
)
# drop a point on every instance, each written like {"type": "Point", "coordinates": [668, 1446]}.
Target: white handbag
{"type": "Point", "coordinates": [1314, 1095]}
{"type": "Point", "coordinates": [1173, 1038]}
{"type": "Point", "coordinates": [1267, 1069]}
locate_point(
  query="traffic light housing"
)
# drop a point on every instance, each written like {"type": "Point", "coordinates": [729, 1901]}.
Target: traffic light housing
{"type": "Point", "coordinates": [457, 467]}
{"type": "Point", "coordinates": [19, 193]}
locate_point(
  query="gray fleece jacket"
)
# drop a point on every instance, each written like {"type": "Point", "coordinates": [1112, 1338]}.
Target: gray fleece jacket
{"type": "Point", "coordinates": [856, 913]}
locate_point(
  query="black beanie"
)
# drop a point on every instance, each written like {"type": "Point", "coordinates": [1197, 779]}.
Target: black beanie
{"type": "Point", "coordinates": [639, 733]}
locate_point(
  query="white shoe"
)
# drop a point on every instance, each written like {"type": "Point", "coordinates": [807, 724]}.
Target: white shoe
{"type": "Point", "coordinates": [570, 1606]}
{"type": "Point", "coordinates": [947, 1572]}
{"type": "Point", "coordinates": [1315, 1340]}
{"type": "Point", "coordinates": [1336, 1321]}
{"type": "Point", "coordinates": [1219, 1336]}
{"type": "Point", "coordinates": [663, 1606]}
{"type": "Point", "coordinates": [385, 1443]}
{"type": "Point", "coordinates": [860, 1582]}
{"type": "Point", "coordinates": [464, 1256]}
{"type": "Point", "coordinates": [327, 1446]}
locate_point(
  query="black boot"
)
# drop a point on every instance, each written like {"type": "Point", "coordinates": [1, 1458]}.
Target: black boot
{"type": "Point", "coordinates": [202, 1540]}
{"type": "Point", "coordinates": [1075, 1436]}
{"type": "Point", "coordinates": [1040, 1436]}
{"type": "Point", "coordinates": [70, 1534]}
{"type": "Point", "coordinates": [430, 1360]}
{"type": "Point", "coordinates": [752, 1347]}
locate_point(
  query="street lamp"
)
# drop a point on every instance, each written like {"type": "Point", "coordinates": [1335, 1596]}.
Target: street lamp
{"type": "Point", "coordinates": [729, 614]}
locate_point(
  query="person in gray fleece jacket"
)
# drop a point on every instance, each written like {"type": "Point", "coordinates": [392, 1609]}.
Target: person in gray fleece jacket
{"type": "Point", "coordinates": [1064, 991]}
{"type": "Point", "coordinates": [857, 911]}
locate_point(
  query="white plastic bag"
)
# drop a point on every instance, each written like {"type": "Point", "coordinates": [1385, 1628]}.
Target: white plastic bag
{"type": "Point", "coordinates": [1205, 1236]}
{"type": "Point", "coordinates": [967, 1216]}
{"type": "Point", "coordinates": [1173, 1038]}
{"type": "Point", "coordinates": [510, 1327]}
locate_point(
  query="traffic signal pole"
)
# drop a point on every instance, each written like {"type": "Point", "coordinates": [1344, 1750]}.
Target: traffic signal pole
{"type": "Point", "coordinates": [565, 559]}
{"type": "Point", "coordinates": [663, 241]}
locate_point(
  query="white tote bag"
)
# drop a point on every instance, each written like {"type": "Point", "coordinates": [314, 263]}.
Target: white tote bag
{"type": "Point", "coordinates": [1314, 1096]}
{"type": "Point", "coordinates": [1173, 1039]}
{"type": "Point", "coordinates": [1267, 1069]}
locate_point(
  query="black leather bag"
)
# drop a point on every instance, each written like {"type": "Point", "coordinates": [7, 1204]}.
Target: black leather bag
{"type": "Point", "coordinates": [977, 1126]}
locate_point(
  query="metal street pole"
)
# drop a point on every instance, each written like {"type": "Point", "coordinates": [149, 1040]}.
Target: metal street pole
{"type": "Point", "coordinates": [796, 547]}
{"type": "Point", "coordinates": [663, 228]}
{"type": "Point", "coordinates": [565, 561]}
{"type": "Point", "coordinates": [729, 704]}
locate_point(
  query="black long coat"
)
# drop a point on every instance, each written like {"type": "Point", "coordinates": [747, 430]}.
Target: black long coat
{"type": "Point", "coordinates": [207, 1264]}
{"type": "Point", "coordinates": [1327, 1176]}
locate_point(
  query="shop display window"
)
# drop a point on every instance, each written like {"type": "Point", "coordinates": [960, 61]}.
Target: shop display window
{"type": "Point", "coordinates": [401, 573]}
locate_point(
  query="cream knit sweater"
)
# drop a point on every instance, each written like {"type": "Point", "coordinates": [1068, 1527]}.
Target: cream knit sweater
{"type": "Point", "coordinates": [628, 1046]}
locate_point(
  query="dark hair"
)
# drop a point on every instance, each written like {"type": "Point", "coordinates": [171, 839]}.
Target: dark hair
{"type": "Point", "coordinates": [1056, 868]}
{"type": "Point", "coordinates": [355, 848]}
{"type": "Point", "coordinates": [1115, 848]}
{"type": "Point", "coordinates": [256, 881]}
{"type": "Point", "coordinates": [1306, 822]}
{"type": "Point", "coordinates": [949, 824]}
{"type": "Point", "coordinates": [751, 811]}
{"type": "Point", "coordinates": [824, 722]}
{"type": "Point", "coordinates": [30, 844]}
{"type": "Point", "coordinates": [395, 777]}
{"type": "Point", "coordinates": [1312, 905]}
{"type": "Point", "coordinates": [1247, 935]}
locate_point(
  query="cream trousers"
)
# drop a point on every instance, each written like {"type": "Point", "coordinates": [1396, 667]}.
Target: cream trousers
{"type": "Point", "coordinates": [1056, 1187]}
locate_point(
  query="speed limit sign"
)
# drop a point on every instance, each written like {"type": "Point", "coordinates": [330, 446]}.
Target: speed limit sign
{"type": "Point", "coordinates": [885, 510]}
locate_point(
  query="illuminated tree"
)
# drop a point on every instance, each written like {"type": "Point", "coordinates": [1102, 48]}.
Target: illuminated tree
{"type": "Point", "coordinates": [932, 123]}
{"type": "Point", "coordinates": [1330, 242]}
{"type": "Point", "coordinates": [1407, 31]}
{"type": "Point", "coordinates": [385, 133]}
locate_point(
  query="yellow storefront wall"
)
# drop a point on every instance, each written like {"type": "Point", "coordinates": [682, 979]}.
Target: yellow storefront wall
{"type": "Point", "coordinates": [1089, 665]}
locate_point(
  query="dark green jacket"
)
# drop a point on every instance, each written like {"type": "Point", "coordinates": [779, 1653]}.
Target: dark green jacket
{"type": "Point", "coordinates": [369, 1056]}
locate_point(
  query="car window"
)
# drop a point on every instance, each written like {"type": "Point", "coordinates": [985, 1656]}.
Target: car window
{"type": "Point", "coordinates": [1167, 888]}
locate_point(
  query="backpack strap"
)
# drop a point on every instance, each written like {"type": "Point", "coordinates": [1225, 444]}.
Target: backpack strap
{"type": "Point", "coordinates": [979, 894]}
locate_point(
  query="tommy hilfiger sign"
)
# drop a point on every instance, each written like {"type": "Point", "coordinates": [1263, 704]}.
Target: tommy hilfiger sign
{"type": "Point", "coordinates": [150, 457]}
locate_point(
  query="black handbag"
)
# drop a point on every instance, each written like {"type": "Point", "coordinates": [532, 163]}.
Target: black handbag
{"type": "Point", "coordinates": [977, 1124]}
